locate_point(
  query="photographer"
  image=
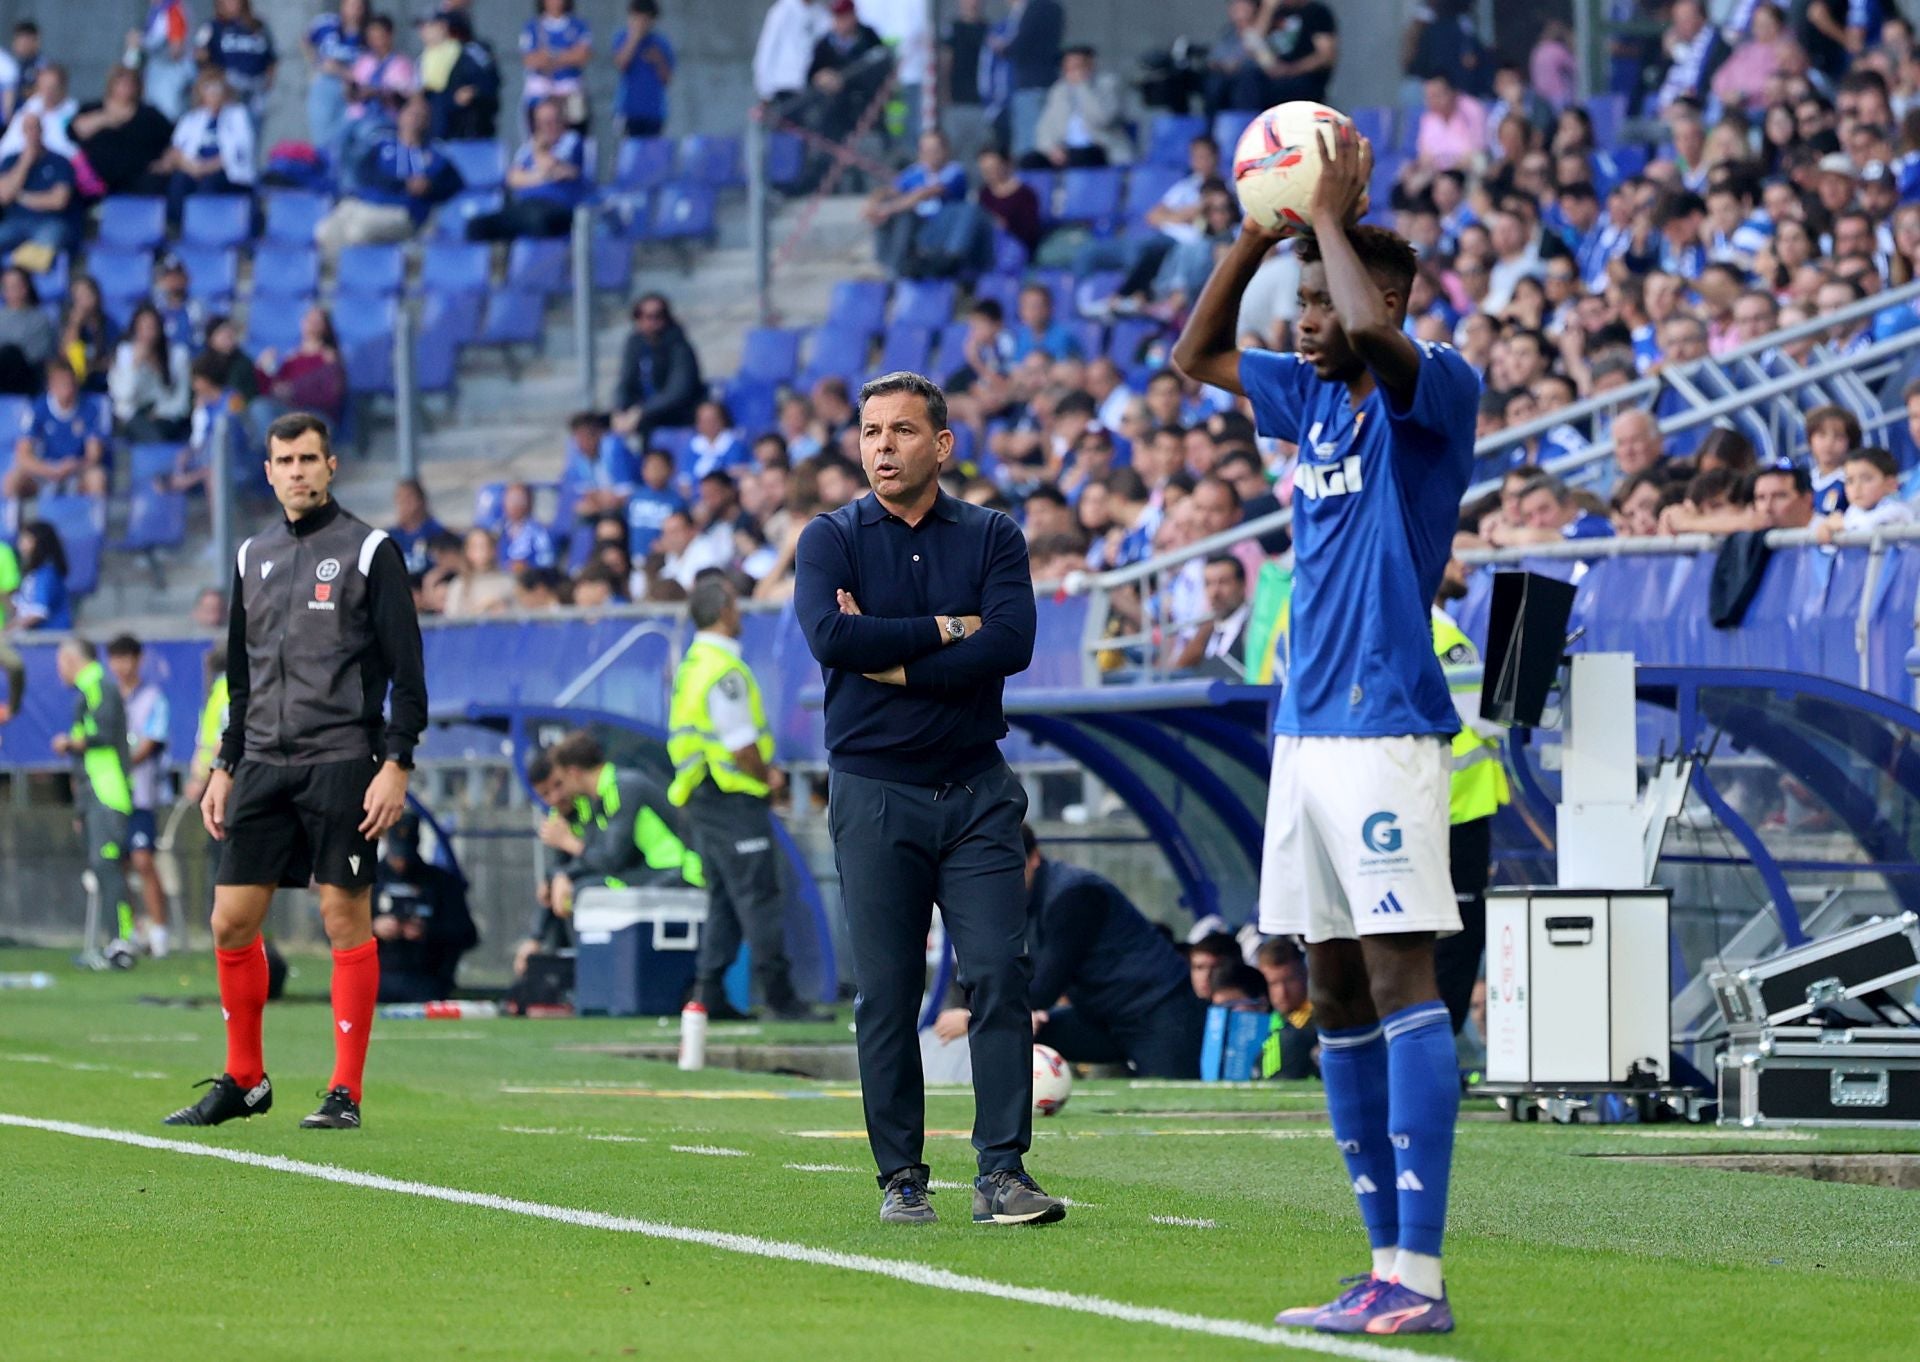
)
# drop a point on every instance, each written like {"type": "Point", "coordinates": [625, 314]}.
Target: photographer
{"type": "Point", "coordinates": [420, 921]}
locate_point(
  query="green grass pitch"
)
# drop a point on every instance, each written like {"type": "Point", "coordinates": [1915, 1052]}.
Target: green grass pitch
{"type": "Point", "coordinates": [119, 1252]}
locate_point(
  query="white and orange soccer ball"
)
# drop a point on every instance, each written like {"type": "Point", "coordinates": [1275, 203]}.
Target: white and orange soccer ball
{"type": "Point", "coordinates": [1052, 1081]}
{"type": "Point", "coordinates": [1278, 161]}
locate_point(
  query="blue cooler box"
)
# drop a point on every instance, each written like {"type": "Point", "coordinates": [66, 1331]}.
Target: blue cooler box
{"type": "Point", "coordinates": [635, 950]}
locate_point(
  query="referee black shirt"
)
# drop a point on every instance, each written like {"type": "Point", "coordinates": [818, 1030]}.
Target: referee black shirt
{"type": "Point", "coordinates": [944, 725]}
{"type": "Point", "coordinates": [321, 629]}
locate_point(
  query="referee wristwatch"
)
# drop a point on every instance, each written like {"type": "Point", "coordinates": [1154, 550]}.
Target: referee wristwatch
{"type": "Point", "coordinates": [220, 764]}
{"type": "Point", "coordinates": [956, 629]}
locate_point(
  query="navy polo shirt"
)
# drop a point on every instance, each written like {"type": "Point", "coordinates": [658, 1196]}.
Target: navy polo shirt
{"type": "Point", "coordinates": [944, 725]}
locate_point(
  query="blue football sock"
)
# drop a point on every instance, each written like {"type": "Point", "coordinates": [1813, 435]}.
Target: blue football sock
{"type": "Point", "coordinates": [1423, 1086]}
{"type": "Point", "coordinates": [1353, 1063]}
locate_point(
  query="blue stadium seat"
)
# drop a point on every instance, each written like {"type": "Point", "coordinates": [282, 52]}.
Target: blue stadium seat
{"type": "Point", "coordinates": [859, 305]}
{"type": "Point", "coordinates": [611, 262]}
{"type": "Point", "coordinates": [713, 160]}
{"type": "Point", "coordinates": [1168, 136]}
{"type": "Point", "coordinates": [13, 410]}
{"type": "Point", "coordinates": [370, 272]}
{"type": "Point", "coordinates": [1609, 115]}
{"type": "Point", "coordinates": [1009, 252]}
{"type": "Point", "coordinates": [149, 461]}
{"type": "Point", "coordinates": [274, 323]}
{"type": "Point", "coordinates": [217, 220]}
{"type": "Point", "coordinates": [121, 274]}
{"type": "Point", "coordinates": [489, 506]}
{"type": "Point", "coordinates": [541, 265]}
{"type": "Point", "coordinates": [770, 355]}
{"type": "Point", "coordinates": [369, 365]}
{"type": "Point", "coordinates": [81, 523]}
{"type": "Point", "coordinates": [1046, 187]}
{"type": "Point", "coordinates": [291, 216]}
{"type": "Point", "coordinates": [155, 519]}
{"type": "Point", "coordinates": [132, 222]}
{"type": "Point", "coordinates": [754, 405]}
{"type": "Point", "coordinates": [51, 283]}
{"type": "Point", "coordinates": [676, 441]}
{"type": "Point", "coordinates": [1091, 335]}
{"type": "Point", "coordinates": [1228, 124]}
{"type": "Point", "coordinates": [454, 317]}
{"type": "Point", "coordinates": [644, 163]}
{"type": "Point", "coordinates": [213, 272]}
{"type": "Point", "coordinates": [786, 159]}
{"type": "Point", "coordinates": [1146, 186]}
{"type": "Point", "coordinates": [365, 319]}
{"type": "Point", "coordinates": [1376, 124]}
{"type": "Point", "coordinates": [1091, 197]}
{"type": "Point", "coordinates": [905, 346]}
{"type": "Point", "coordinates": [482, 164]}
{"type": "Point", "coordinates": [285, 272]}
{"type": "Point", "coordinates": [1003, 289]}
{"type": "Point", "coordinates": [1128, 339]}
{"type": "Point", "coordinates": [834, 353]}
{"type": "Point", "coordinates": [436, 355]}
{"type": "Point", "coordinates": [513, 317]}
{"type": "Point", "coordinates": [950, 353]}
{"type": "Point", "coordinates": [450, 222]}
{"type": "Point", "coordinates": [682, 212]}
{"type": "Point", "coordinates": [1061, 284]}
{"type": "Point", "coordinates": [455, 267]}
{"type": "Point", "coordinates": [923, 302]}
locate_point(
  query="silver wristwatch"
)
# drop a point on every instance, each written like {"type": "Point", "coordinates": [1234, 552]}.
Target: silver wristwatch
{"type": "Point", "coordinates": [956, 628]}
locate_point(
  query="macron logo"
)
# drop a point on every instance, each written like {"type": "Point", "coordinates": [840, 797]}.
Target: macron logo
{"type": "Point", "coordinates": [353, 864]}
{"type": "Point", "coordinates": [345, 1026]}
{"type": "Point", "coordinates": [1407, 1182]}
{"type": "Point", "coordinates": [265, 568]}
{"type": "Point", "coordinates": [1387, 906]}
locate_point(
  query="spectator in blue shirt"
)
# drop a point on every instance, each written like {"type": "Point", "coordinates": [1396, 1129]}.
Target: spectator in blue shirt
{"type": "Point", "coordinates": [1037, 330]}
{"type": "Point", "coordinates": [646, 60]}
{"type": "Point", "coordinates": [332, 43]}
{"type": "Point", "coordinates": [399, 180]}
{"type": "Point", "coordinates": [653, 501]}
{"type": "Point", "coordinates": [36, 188]}
{"type": "Point", "coordinates": [546, 181]}
{"type": "Point", "coordinates": [524, 541]}
{"type": "Point", "coordinates": [600, 473]}
{"type": "Point", "coordinates": [237, 45]}
{"type": "Point", "coordinates": [41, 601]}
{"type": "Point", "coordinates": [414, 529]}
{"type": "Point", "coordinates": [923, 224]}
{"type": "Point", "coordinates": [215, 421]}
{"type": "Point", "coordinates": [63, 441]}
{"type": "Point", "coordinates": [555, 47]}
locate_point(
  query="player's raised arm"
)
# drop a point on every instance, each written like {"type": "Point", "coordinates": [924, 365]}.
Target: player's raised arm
{"type": "Point", "coordinates": [1208, 350]}
{"type": "Point", "coordinates": [1366, 314]}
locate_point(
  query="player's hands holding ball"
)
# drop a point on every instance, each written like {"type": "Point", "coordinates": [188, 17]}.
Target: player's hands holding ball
{"type": "Point", "coordinates": [1346, 166]}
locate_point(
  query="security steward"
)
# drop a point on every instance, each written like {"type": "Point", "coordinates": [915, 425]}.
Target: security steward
{"type": "Point", "coordinates": [632, 840]}
{"type": "Point", "coordinates": [1479, 789]}
{"type": "Point", "coordinates": [1107, 987]}
{"type": "Point", "coordinates": [918, 606]}
{"type": "Point", "coordinates": [97, 742]}
{"type": "Point", "coordinates": [723, 776]}
{"type": "Point", "coordinates": [322, 642]}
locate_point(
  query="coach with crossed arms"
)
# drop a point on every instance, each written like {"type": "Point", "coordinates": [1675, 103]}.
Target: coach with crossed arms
{"type": "Point", "coordinates": [918, 606]}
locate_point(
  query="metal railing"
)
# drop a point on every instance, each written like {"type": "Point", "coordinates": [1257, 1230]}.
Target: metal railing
{"type": "Point", "coordinates": [1150, 576]}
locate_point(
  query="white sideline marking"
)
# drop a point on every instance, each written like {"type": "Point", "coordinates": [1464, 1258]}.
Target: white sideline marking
{"type": "Point", "coordinates": [80, 1066]}
{"type": "Point", "coordinates": [183, 1038]}
{"type": "Point", "coordinates": [819, 1168]}
{"type": "Point", "coordinates": [901, 1270]}
{"type": "Point", "coordinates": [1187, 1221]}
{"type": "Point", "coordinates": [583, 1134]}
{"type": "Point", "coordinates": [942, 1185]}
{"type": "Point", "coordinates": [1730, 1133]}
{"type": "Point", "coordinates": [712, 1150]}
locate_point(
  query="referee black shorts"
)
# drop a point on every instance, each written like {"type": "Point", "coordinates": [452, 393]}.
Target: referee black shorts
{"type": "Point", "coordinates": [295, 825]}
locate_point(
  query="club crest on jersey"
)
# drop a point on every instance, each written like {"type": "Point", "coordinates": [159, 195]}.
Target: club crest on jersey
{"type": "Point", "coordinates": [327, 569]}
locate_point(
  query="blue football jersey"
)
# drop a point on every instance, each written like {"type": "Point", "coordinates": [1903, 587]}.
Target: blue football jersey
{"type": "Point", "coordinates": [1375, 502]}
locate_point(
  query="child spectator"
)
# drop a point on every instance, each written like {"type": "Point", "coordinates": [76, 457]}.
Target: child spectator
{"type": "Point", "coordinates": [41, 601]}
{"type": "Point", "coordinates": [1831, 433]}
{"type": "Point", "coordinates": [63, 441]}
{"type": "Point", "coordinates": [1873, 501]}
{"type": "Point", "coordinates": [652, 502]}
{"type": "Point", "coordinates": [646, 60]}
{"type": "Point", "coordinates": [87, 334]}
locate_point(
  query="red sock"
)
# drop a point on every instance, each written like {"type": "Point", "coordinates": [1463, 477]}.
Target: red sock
{"type": "Point", "coordinates": [243, 997]}
{"type": "Point", "coordinates": [356, 986]}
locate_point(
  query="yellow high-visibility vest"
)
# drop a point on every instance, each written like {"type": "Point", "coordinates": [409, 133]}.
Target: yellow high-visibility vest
{"type": "Point", "coordinates": [693, 742]}
{"type": "Point", "coordinates": [1479, 780]}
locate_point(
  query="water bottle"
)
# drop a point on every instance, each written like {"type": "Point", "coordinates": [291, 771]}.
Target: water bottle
{"type": "Point", "coordinates": [37, 979]}
{"type": "Point", "coordinates": [693, 1037]}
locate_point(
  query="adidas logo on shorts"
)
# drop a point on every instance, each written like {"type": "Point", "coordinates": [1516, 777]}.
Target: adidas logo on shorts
{"type": "Point", "coordinates": [1387, 906]}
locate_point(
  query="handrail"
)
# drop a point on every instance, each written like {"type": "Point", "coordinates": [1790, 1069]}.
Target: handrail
{"type": "Point", "coordinates": [1647, 387]}
{"type": "Point", "coordinates": [1631, 546]}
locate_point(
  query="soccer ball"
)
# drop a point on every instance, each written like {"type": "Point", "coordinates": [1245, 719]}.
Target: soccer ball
{"type": "Point", "coordinates": [1278, 161]}
{"type": "Point", "coordinates": [1052, 1081]}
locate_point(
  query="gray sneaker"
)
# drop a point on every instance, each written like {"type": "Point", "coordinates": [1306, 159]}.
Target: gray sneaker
{"type": "Point", "coordinates": [1009, 1197]}
{"type": "Point", "coordinates": [906, 1200]}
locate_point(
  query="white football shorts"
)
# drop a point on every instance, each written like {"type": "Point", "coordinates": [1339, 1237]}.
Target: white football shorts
{"type": "Point", "coordinates": [1357, 838]}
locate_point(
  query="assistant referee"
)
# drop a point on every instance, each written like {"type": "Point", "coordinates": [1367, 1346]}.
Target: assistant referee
{"type": "Point", "coordinates": [311, 771]}
{"type": "Point", "coordinates": [918, 607]}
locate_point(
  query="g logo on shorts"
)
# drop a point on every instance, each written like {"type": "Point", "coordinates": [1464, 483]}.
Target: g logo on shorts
{"type": "Point", "coordinates": [1381, 833]}
{"type": "Point", "coordinates": [328, 569]}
